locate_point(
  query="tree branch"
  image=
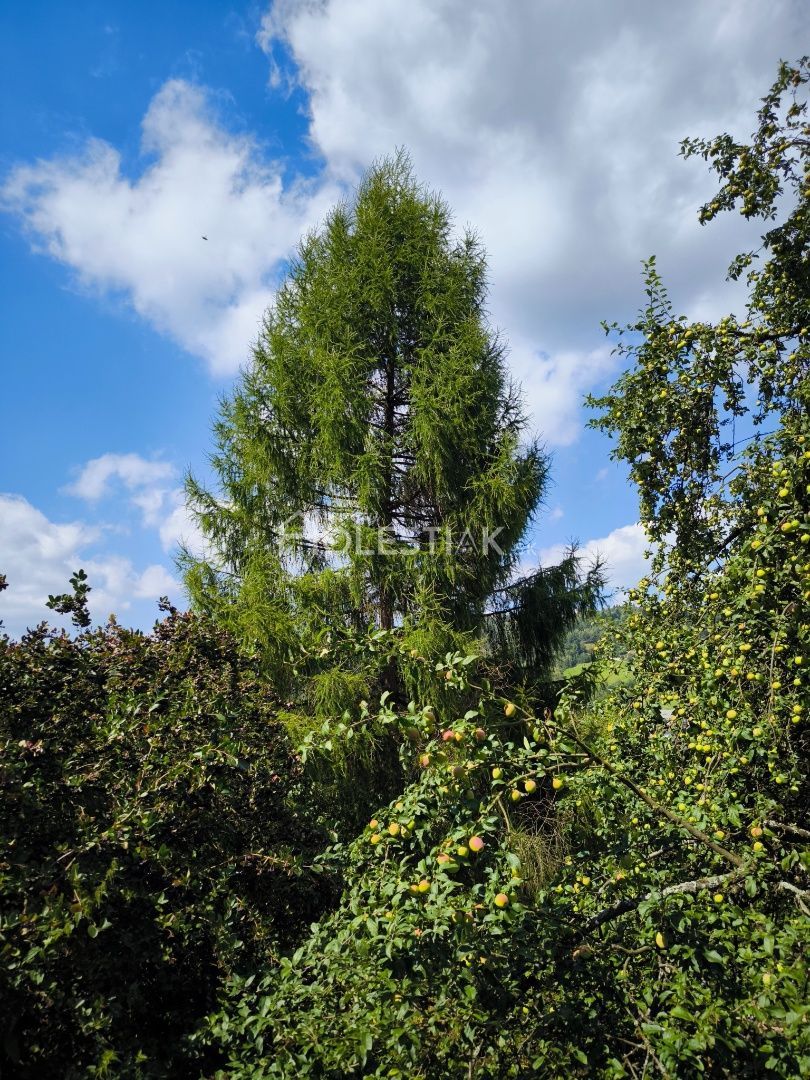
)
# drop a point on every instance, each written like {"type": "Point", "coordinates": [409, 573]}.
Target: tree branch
{"type": "Point", "coordinates": [631, 903]}
{"type": "Point", "coordinates": [800, 894]}
{"type": "Point", "coordinates": [729, 856]}
{"type": "Point", "coordinates": [783, 827]}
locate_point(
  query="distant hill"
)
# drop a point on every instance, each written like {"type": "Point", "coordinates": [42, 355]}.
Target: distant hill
{"type": "Point", "coordinates": [580, 643]}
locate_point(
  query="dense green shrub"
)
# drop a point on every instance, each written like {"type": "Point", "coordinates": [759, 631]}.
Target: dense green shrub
{"type": "Point", "coordinates": [640, 895]}
{"type": "Point", "coordinates": [150, 845]}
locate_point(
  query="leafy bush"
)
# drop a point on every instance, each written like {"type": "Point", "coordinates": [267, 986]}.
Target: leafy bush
{"type": "Point", "coordinates": [621, 907]}
{"type": "Point", "coordinates": [150, 845]}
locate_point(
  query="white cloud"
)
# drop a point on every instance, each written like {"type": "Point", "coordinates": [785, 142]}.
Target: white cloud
{"type": "Point", "coordinates": [38, 556]}
{"type": "Point", "coordinates": [622, 550]}
{"type": "Point", "coordinates": [29, 538]}
{"type": "Point", "coordinates": [178, 528]}
{"type": "Point", "coordinates": [553, 131]}
{"type": "Point", "coordinates": [94, 478]}
{"type": "Point", "coordinates": [143, 236]}
{"type": "Point", "coordinates": [554, 387]}
{"type": "Point", "coordinates": [149, 488]}
{"type": "Point", "coordinates": [154, 582]}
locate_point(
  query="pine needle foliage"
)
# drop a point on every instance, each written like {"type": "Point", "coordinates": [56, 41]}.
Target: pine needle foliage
{"type": "Point", "coordinates": [372, 462]}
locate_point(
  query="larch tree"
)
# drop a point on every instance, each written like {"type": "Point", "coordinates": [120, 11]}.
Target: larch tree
{"type": "Point", "coordinates": [371, 460]}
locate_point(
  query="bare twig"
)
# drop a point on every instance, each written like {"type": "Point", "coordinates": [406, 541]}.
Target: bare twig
{"type": "Point", "coordinates": [798, 893]}
{"type": "Point", "coordinates": [631, 903]}
{"type": "Point", "coordinates": [651, 1053]}
{"type": "Point", "coordinates": [781, 826]}
{"type": "Point", "coordinates": [476, 1054]}
{"type": "Point", "coordinates": [499, 804]}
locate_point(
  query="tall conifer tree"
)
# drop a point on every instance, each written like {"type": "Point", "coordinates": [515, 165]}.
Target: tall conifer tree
{"type": "Point", "coordinates": [370, 459]}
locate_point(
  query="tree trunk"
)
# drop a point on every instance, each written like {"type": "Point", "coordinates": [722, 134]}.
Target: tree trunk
{"type": "Point", "coordinates": [387, 516]}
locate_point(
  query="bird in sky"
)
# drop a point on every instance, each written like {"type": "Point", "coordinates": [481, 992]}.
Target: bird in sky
{"type": "Point", "coordinates": [205, 238]}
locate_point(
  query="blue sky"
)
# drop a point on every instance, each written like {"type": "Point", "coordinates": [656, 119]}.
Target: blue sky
{"type": "Point", "coordinates": [131, 130]}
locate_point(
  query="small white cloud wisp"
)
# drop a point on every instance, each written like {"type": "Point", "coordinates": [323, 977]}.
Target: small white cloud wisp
{"type": "Point", "coordinates": [623, 551]}
{"type": "Point", "coordinates": [38, 556]}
